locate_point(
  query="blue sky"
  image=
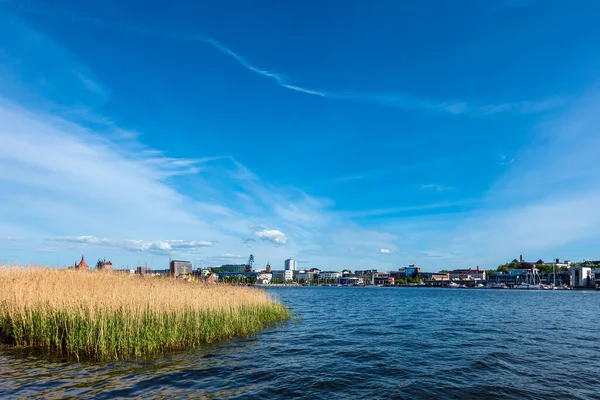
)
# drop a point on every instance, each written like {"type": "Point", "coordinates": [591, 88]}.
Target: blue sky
{"type": "Point", "coordinates": [344, 134]}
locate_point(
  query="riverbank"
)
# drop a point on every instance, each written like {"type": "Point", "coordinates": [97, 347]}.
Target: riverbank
{"type": "Point", "coordinates": [103, 316]}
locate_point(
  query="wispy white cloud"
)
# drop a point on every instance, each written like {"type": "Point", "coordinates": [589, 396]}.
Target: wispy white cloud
{"type": "Point", "coordinates": [156, 246]}
{"type": "Point", "coordinates": [436, 187]}
{"type": "Point", "coordinates": [397, 99]}
{"type": "Point", "coordinates": [91, 84]}
{"type": "Point", "coordinates": [91, 188]}
{"type": "Point", "coordinates": [391, 99]}
{"type": "Point", "coordinates": [385, 251]}
{"type": "Point", "coordinates": [405, 209]}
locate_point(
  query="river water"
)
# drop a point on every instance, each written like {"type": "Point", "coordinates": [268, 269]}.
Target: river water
{"type": "Point", "coordinates": [362, 343]}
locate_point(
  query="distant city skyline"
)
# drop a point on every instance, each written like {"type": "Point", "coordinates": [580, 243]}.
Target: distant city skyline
{"type": "Point", "coordinates": [350, 135]}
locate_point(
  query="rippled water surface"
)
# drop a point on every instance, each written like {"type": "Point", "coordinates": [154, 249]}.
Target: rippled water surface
{"type": "Point", "coordinates": [362, 343]}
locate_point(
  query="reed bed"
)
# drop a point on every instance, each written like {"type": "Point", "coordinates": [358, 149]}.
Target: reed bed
{"type": "Point", "coordinates": [108, 316]}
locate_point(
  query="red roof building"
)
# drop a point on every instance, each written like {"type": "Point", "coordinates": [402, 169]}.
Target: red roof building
{"type": "Point", "coordinates": [82, 264]}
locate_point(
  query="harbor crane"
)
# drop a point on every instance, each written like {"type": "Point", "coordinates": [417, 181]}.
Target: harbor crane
{"type": "Point", "coordinates": [249, 263]}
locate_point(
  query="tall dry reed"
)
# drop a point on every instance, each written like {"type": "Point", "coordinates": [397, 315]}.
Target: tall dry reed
{"type": "Point", "coordinates": [104, 316]}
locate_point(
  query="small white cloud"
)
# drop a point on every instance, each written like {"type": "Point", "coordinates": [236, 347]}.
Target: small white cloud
{"type": "Point", "coordinates": [272, 235]}
{"type": "Point", "coordinates": [504, 160]}
{"type": "Point", "coordinates": [385, 251]}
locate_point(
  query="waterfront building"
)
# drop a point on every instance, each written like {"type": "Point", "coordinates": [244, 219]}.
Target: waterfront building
{"type": "Point", "coordinates": [562, 278]}
{"type": "Point", "coordinates": [512, 277]}
{"type": "Point", "coordinates": [411, 270]}
{"type": "Point", "coordinates": [290, 264]}
{"type": "Point", "coordinates": [384, 279]}
{"type": "Point", "coordinates": [179, 267]}
{"type": "Point", "coordinates": [329, 275]}
{"type": "Point", "coordinates": [365, 273]}
{"type": "Point", "coordinates": [581, 276]}
{"type": "Point", "coordinates": [263, 279]}
{"type": "Point", "coordinates": [468, 274]}
{"type": "Point", "coordinates": [285, 275]}
{"type": "Point", "coordinates": [400, 274]}
{"type": "Point", "coordinates": [351, 281]}
{"type": "Point", "coordinates": [306, 275]}
{"type": "Point", "coordinates": [406, 272]}
{"type": "Point", "coordinates": [435, 276]}
{"type": "Point", "coordinates": [233, 268]}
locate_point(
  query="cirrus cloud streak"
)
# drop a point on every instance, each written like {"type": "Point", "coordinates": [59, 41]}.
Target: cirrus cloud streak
{"type": "Point", "coordinates": [151, 246]}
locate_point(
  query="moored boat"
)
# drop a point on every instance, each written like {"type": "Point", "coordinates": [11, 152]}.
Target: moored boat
{"type": "Point", "coordinates": [532, 286]}
{"type": "Point", "coordinates": [498, 286]}
{"type": "Point", "coordinates": [532, 281]}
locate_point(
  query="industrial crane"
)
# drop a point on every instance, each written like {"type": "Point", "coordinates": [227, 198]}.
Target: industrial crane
{"type": "Point", "coordinates": [249, 263]}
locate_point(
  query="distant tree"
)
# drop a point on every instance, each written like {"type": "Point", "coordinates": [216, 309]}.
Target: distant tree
{"type": "Point", "coordinates": [503, 268]}
{"type": "Point", "coordinates": [545, 268]}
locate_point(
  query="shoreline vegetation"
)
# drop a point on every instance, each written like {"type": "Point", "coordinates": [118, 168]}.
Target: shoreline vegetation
{"type": "Point", "coordinates": [110, 316]}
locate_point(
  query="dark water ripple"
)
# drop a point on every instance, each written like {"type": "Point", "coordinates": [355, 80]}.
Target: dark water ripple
{"type": "Point", "coordinates": [379, 343]}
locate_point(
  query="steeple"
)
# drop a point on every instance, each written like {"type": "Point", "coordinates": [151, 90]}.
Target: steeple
{"type": "Point", "coordinates": [82, 264]}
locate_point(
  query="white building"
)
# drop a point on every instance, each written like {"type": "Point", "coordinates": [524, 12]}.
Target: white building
{"type": "Point", "coordinates": [285, 275]}
{"type": "Point", "coordinates": [581, 276]}
{"type": "Point", "coordinates": [468, 274]}
{"type": "Point", "coordinates": [263, 279]}
{"type": "Point", "coordinates": [329, 275]}
{"type": "Point", "coordinates": [290, 264]}
{"type": "Point", "coordinates": [558, 264]}
{"type": "Point", "coordinates": [304, 274]}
